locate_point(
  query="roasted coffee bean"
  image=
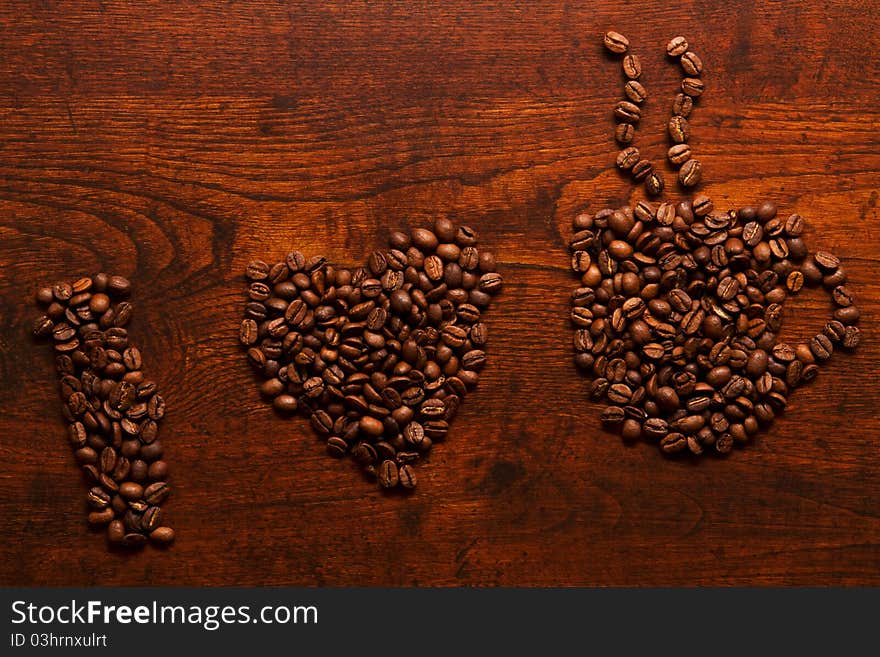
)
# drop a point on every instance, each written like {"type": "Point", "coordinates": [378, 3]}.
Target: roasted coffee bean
{"type": "Point", "coordinates": [851, 337]}
{"type": "Point", "coordinates": [627, 112]}
{"type": "Point", "coordinates": [676, 47]}
{"type": "Point", "coordinates": [795, 281]}
{"type": "Point", "coordinates": [673, 442]}
{"type": "Point", "coordinates": [388, 474]}
{"type": "Point", "coordinates": [834, 330]}
{"type": "Point", "coordinates": [847, 315]}
{"type": "Point", "coordinates": [827, 261]}
{"type": "Point", "coordinates": [679, 154]}
{"type": "Point", "coordinates": [641, 170]}
{"type": "Point", "coordinates": [841, 296]}
{"type": "Point", "coordinates": [691, 64]}
{"type": "Point", "coordinates": [690, 173]}
{"type": "Point", "coordinates": [679, 130]}
{"type": "Point", "coordinates": [632, 66]}
{"type": "Point", "coordinates": [156, 408]}
{"type": "Point", "coordinates": [152, 518]}
{"type": "Point", "coordinates": [624, 133]}
{"type": "Point", "coordinates": [635, 92]}
{"type": "Point", "coordinates": [257, 270]}
{"type": "Point", "coordinates": [654, 184]}
{"type": "Point", "coordinates": [43, 326]}
{"type": "Point", "coordinates": [406, 476]}
{"type": "Point", "coordinates": [162, 535]}
{"type": "Point", "coordinates": [627, 158]}
{"type": "Point", "coordinates": [118, 286]}
{"type": "Point", "coordinates": [656, 428]}
{"type": "Point", "coordinates": [682, 105]}
{"type": "Point", "coordinates": [693, 87]}
{"type": "Point", "coordinates": [702, 205]}
{"type": "Point", "coordinates": [62, 292]}
{"type": "Point", "coordinates": [821, 347]}
{"type": "Point", "coordinates": [616, 42]}
{"type": "Point", "coordinates": [613, 415]}
{"type": "Point", "coordinates": [134, 540]}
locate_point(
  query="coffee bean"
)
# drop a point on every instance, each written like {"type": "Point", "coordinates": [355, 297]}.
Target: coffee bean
{"type": "Point", "coordinates": [134, 540]}
{"type": "Point", "coordinates": [424, 239]}
{"type": "Point", "coordinates": [99, 518]}
{"type": "Point", "coordinates": [692, 87]}
{"type": "Point", "coordinates": [158, 470]}
{"type": "Point", "coordinates": [632, 66]}
{"type": "Point", "coordinates": [336, 447]}
{"type": "Point", "coordinates": [851, 337]}
{"type": "Point", "coordinates": [631, 430]}
{"type": "Point", "coordinates": [827, 261]}
{"type": "Point", "coordinates": [613, 415]}
{"type": "Point", "coordinates": [821, 347]}
{"type": "Point", "coordinates": [683, 105]}
{"type": "Point", "coordinates": [62, 292]}
{"type": "Point", "coordinates": [156, 408]}
{"type": "Point", "coordinates": [43, 326]}
{"type": "Point", "coordinates": [654, 184]}
{"type": "Point", "coordinates": [690, 173]}
{"type": "Point", "coordinates": [834, 278]}
{"type": "Point", "coordinates": [795, 281]}
{"type": "Point", "coordinates": [45, 295]}
{"type": "Point", "coordinates": [834, 330]}
{"type": "Point", "coordinates": [841, 296]}
{"type": "Point", "coordinates": [677, 46]}
{"type": "Point", "coordinates": [691, 64]}
{"type": "Point", "coordinates": [635, 92]}
{"type": "Point", "coordinates": [616, 42]}
{"type": "Point", "coordinates": [490, 283]}
{"type": "Point", "coordinates": [673, 442]}
{"type": "Point", "coordinates": [702, 205]}
{"type": "Point", "coordinates": [627, 112]}
{"type": "Point", "coordinates": [812, 274]}
{"type": "Point", "coordinates": [131, 490]}
{"type": "Point", "coordinates": [848, 315]}
{"type": "Point", "coordinates": [679, 130]}
{"type": "Point", "coordinates": [162, 535]}
{"type": "Point", "coordinates": [388, 474]}
{"type": "Point", "coordinates": [118, 286]}
{"type": "Point", "coordinates": [624, 133]}
{"type": "Point", "coordinates": [627, 158]}
{"type": "Point", "coordinates": [407, 477]}
{"type": "Point", "coordinates": [156, 493]}
{"type": "Point", "coordinates": [641, 170]}
{"type": "Point", "coordinates": [131, 358]}
{"type": "Point", "coordinates": [679, 154]}
{"type": "Point", "coordinates": [656, 428]}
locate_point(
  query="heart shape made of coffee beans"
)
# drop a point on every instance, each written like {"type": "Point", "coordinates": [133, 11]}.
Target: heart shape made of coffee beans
{"type": "Point", "coordinates": [677, 314]}
{"type": "Point", "coordinates": [379, 357]}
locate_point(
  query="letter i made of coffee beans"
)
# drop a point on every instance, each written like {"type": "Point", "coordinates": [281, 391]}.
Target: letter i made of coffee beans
{"type": "Point", "coordinates": [111, 409]}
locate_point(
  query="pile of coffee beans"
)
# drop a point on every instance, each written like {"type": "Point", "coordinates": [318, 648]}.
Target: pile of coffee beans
{"type": "Point", "coordinates": [677, 318]}
{"type": "Point", "coordinates": [112, 410]}
{"type": "Point", "coordinates": [379, 357]}
{"type": "Point", "coordinates": [628, 113]}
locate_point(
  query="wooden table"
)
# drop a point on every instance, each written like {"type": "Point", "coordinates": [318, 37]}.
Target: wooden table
{"type": "Point", "coordinates": [172, 143]}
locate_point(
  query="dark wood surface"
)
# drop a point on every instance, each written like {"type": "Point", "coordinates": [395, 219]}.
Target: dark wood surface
{"type": "Point", "coordinates": [171, 142]}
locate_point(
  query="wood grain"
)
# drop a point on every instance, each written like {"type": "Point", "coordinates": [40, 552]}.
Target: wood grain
{"type": "Point", "coordinates": [171, 142]}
